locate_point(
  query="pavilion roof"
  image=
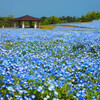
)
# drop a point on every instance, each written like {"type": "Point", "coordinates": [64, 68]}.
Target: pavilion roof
{"type": "Point", "coordinates": [27, 18]}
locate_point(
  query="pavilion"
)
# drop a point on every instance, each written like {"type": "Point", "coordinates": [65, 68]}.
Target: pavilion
{"type": "Point", "coordinates": [27, 18]}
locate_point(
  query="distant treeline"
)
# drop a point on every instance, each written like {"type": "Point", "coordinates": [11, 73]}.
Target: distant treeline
{"type": "Point", "coordinates": [89, 17]}
{"type": "Point", "coordinates": [6, 21]}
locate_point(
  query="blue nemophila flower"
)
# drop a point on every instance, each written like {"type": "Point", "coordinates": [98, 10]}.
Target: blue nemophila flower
{"type": "Point", "coordinates": [55, 99]}
{"type": "Point", "coordinates": [47, 96]}
{"type": "Point", "coordinates": [1, 98]}
{"type": "Point", "coordinates": [40, 89]}
{"type": "Point", "coordinates": [81, 93]}
{"type": "Point", "coordinates": [18, 87]}
{"type": "Point", "coordinates": [28, 98]}
{"type": "Point", "coordinates": [52, 87]}
{"type": "Point", "coordinates": [55, 93]}
{"type": "Point", "coordinates": [10, 88]}
{"type": "Point", "coordinates": [33, 96]}
{"type": "Point", "coordinates": [25, 97]}
{"type": "Point", "coordinates": [4, 86]}
{"type": "Point", "coordinates": [7, 95]}
{"type": "Point", "coordinates": [22, 91]}
{"type": "Point", "coordinates": [18, 97]}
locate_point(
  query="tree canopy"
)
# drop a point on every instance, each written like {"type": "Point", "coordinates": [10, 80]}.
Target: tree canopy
{"type": "Point", "coordinates": [92, 15]}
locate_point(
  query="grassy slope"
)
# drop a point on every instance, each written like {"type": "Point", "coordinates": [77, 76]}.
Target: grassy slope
{"type": "Point", "coordinates": [53, 26]}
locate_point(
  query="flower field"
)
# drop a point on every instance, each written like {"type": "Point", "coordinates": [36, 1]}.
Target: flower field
{"type": "Point", "coordinates": [91, 25]}
{"type": "Point", "coordinates": [54, 64]}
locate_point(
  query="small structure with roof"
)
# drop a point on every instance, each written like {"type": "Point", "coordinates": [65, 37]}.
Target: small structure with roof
{"type": "Point", "coordinates": [27, 18]}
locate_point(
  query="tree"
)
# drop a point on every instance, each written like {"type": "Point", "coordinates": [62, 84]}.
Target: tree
{"type": "Point", "coordinates": [63, 19]}
{"type": "Point", "coordinates": [54, 20]}
{"type": "Point", "coordinates": [91, 15]}
{"type": "Point", "coordinates": [98, 15]}
{"type": "Point", "coordinates": [43, 18]}
{"type": "Point", "coordinates": [51, 20]}
{"type": "Point", "coordinates": [6, 21]}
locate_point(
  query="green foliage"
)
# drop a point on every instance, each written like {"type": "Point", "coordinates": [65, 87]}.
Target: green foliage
{"type": "Point", "coordinates": [65, 19]}
{"type": "Point", "coordinates": [92, 49]}
{"type": "Point", "coordinates": [1, 61]}
{"type": "Point", "coordinates": [78, 47]}
{"type": "Point", "coordinates": [51, 20]}
{"type": "Point", "coordinates": [92, 15]}
{"type": "Point", "coordinates": [6, 21]}
{"type": "Point", "coordinates": [8, 45]}
{"type": "Point", "coordinates": [24, 52]}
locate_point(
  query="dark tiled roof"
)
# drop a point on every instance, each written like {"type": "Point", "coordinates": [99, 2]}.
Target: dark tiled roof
{"type": "Point", "coordinates": [27, 18]}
